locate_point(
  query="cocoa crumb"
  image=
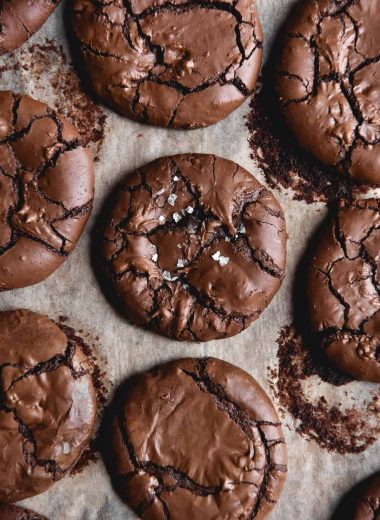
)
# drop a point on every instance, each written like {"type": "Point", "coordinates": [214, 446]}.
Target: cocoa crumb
{"type": "Point", "coordinates": [332, 426]}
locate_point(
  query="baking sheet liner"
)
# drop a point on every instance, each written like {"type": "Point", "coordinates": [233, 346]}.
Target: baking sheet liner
{"type": "Point", "coordinates": [317, 478]}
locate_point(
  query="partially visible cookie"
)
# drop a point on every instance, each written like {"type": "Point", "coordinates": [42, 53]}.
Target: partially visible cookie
{"type": "Point", "coordinates": [344, 289]}
{"type": "Point", "coordinates": [9, 512]}
{"type": "Point", "coordinates": [195, 247]}
{"type": "Point", "coordinates": [47, 404]}
{"type": "Point", "coordinates": [367, 504]}
{"type": "Point", "coordinates": [198, 439]}
{"type": "Point", "coordinates": [174, 64]}
{"type": "Point", "coordinates": [20, 19]}
{"type": "Point", "coordinates": [328, 78]}
{"type": "Point", "coordinates": [46, 188]}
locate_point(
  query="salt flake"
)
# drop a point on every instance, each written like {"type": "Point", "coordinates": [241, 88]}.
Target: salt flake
{"type": "Point", "coordinates": [167, 276]}
{"type": "Point", "coordinates": [176, 217]}
{"type": "Point", "coordinates": [216, 256]}
{"type": "Point", "coordinates": [155, 257]}
{"type": "Point", "coordinates": [161, 218]}
{"type": "Point", "coordinates": [223, 260]}
{"type": "Point", "coordinates": [189, 210]}
{"type": "Point", "coordinates": [171, 199]}
{"type": "Point", "coordinates": [180, 263]}
{"type": "Point", "coordinates": [66, 448]}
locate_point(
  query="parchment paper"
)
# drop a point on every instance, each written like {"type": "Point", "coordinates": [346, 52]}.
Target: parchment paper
{"type": "Point", "coordinates": [317, 479]}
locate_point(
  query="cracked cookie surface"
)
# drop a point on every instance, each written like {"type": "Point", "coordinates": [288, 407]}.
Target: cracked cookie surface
{"type": "Point", "coordinates": [367, 505]}
{"type": "Point", "coordinates": [328, 77]}
{"type": "Point", "coordinates": [20, 19]}
{"type": "Point", "coordinates": [182, 63]}
{"type": "Point", "coordinates": [198, 438]}
{"type": "Point", "coordinates": [46, 187]}
{"type": "Point", "coordinates": [8, 512]}
{"type": "Point", "coordinates": [47, 404]}
{"type": "Point", "coordinates": [344, 289]}
{"type": "Point", "coordinates": [195, 247]}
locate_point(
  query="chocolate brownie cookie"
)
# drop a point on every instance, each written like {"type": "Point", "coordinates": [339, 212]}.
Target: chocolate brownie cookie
{"type": "Point", "coordinates": [182, 64]}
{"type": "Point", "coordinates": [46, 187]}
{"type": "Point", "coordinates": [19, 19]}
{"type": "Point", "coordinates": [198, 438]}
{"type": "Point", "coordinates": [328, 78]}
{"type": "Point", "coordinates": [344, 289]}
{"type": "Point", "coordinates": [367, 505]}
{"type": "Point", "coordinates": [8, 512]}
{"type": "Point", "coordinates": [47, 404]}
{"type": "Point", "coordinates": [195, 247]}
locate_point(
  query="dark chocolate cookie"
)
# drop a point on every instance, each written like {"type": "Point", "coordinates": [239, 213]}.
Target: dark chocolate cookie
{"type": "Point", "coordinates": [19, 19]}
{"type": "Point", "coordinates": [367, 504]}
{"type": "Point", "coordinates": [46, 188]}
{"type": "Point", "coordinates": [47, 404]}
{"type": "Point", "coordinates": [8, 512]}
{"type": "Point", "coordinates": [183, 64]}
{"type": "Point", "coordinates": [328, 78]}
{"type": "Point", "coordinates": [198, 439]}
{"type": "Point", "coordinates": [344, 289]}
{"type": "Point", "coordinates": [195, 247]}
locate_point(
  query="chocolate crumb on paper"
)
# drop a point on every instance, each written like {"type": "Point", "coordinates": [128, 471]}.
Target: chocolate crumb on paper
{"type": "Point", "coordinates": [101, 385]}
{"type": "Point", "coordinates": [44, 66]}
{"type": "Point", "coordinates": [334, 427]}
{"type": "Point", "coordinates": [284, 164]}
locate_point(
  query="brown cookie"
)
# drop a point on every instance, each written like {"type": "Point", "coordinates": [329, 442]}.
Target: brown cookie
{"type": "Point", "coordinates": [195, 247]}
{"type": "Point", "coordinates": [46, 187]}
{"type": "Point", "coordinates": [8, 512]}
{"type": "Point", "coordinates": [367, 504]}
{"type": "Point", "coordinates": [173, 64]}
{"type": "Point", "coordinates": [198, 438]}
{"type": "Point", "coordinates": [328, 80]}
{"type": "Point", "coordinates": [344, 289]}
{"type": "Point", "coordinates": [20, 19]}
{"type": "Point", "coordinates": [47, 404]}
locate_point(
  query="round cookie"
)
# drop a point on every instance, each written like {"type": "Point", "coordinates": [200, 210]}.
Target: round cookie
{"type": "Point", "coordinates": [173, 64]}
{"type": "Point", "coordinates": [344, 289]}
{"type": "Point", "coordinates": [367, 505]}
{"type": "Point", "coordinates": [46, 186]}
{"type": "Point", "coordinates": [19, 19]}
{"type": "Point", "coordinates": [195, 247]}
{"type": "Point", "coordinates": [197, 438]}
{"type": "Point", "coordinates": [8, 512]}
{"type": "Point", "coordinates": [47, 404]}
{"type": "Point", "coordinates": [328, 78]}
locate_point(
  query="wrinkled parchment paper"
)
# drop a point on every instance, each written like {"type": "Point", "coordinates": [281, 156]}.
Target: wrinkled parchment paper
{"type": "Point", "coordinates": [317, 479]}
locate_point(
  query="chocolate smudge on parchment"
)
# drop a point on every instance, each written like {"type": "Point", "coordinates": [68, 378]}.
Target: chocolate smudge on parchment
{"type": "Point", "coordinates": [342, 428]}
{"type": "Point", "coordinates": [88, 346]}
{"type": "Point", "coordinates": [284, 164]}
{"type": "Point", "coordinates": [54, 80]}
